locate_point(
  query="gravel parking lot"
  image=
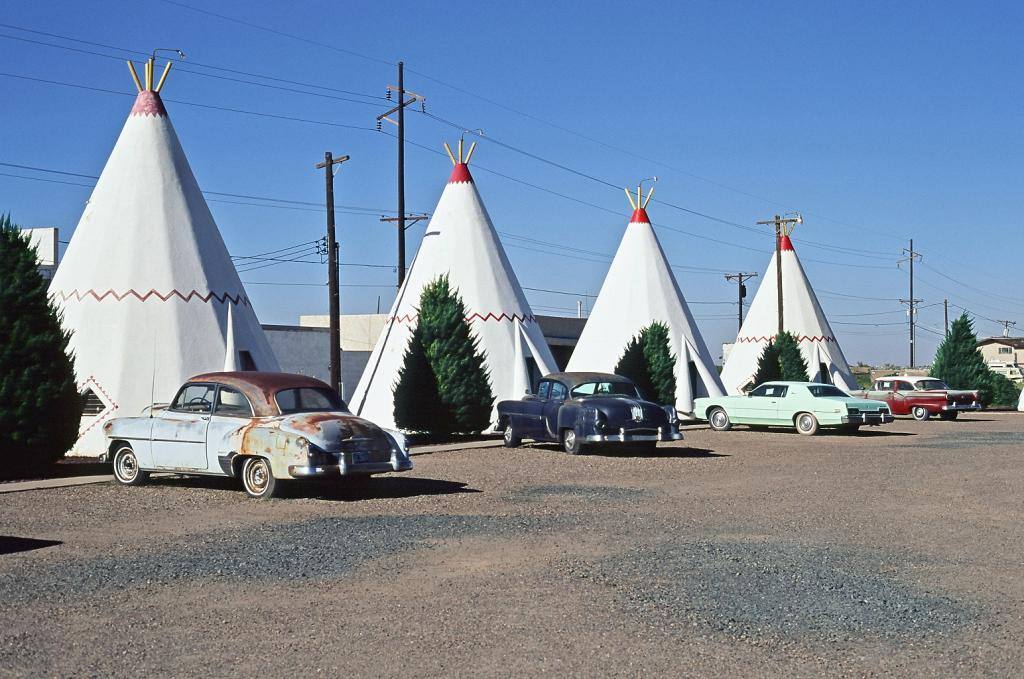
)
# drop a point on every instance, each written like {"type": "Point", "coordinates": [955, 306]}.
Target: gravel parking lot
{"type": "Point", "coordinates": [896, 551]}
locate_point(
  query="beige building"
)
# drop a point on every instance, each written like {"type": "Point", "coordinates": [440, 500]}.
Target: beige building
{"type": "Point", "coordinates": [1004, 355]}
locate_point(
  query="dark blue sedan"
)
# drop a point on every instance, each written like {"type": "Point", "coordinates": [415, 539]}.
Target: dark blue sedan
{"type": "Point", "coordinates": [578, 410]}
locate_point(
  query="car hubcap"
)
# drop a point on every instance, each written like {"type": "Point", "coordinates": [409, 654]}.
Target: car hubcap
{"type": "Point", "coordinates": [805, 423]}
{"type": "Point", "coordinates": [257, 477]}
{"type": "Point", "coordinates": [719, 419]}
{"type": "Point", "coordinates": [126, 467]}
{"type": "Point", "coordinates": [508, 434]}
{"type": "Point", "coordinates": [570, 439]}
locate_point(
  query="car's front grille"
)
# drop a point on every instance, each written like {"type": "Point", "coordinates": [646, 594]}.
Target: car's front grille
{"type": "Point", "coordinates": [378, 447]}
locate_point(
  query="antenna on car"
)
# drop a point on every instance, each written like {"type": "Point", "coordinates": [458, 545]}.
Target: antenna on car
{"type": "Point", "coordinates": [152, 381]}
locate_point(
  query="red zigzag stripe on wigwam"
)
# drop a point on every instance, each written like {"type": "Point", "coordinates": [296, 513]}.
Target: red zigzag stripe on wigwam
{"type": "Point", "coordinates": [526, 318]}
{"type": "Point", "coordinates": [194, 294]}
{"type": "Point", "coordinates": [802, 338]}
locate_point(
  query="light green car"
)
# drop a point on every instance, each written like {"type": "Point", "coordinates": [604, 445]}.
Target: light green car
{"type": "Point", "coordinates": [807, 406]}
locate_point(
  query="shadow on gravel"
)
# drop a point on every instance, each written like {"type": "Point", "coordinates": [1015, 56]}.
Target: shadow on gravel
{"type": "Point", "coordinates": [342, 490]}
{"type": "Point", "coordinates": [385, 487]}
{"type": "Point", "coordinates": [10, 544]}
{"type": "Point", "coordinates": [667, 452]}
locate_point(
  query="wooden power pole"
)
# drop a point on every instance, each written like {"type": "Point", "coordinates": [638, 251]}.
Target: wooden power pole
{"type": "Point", "coordinates": [912, 302]}
{"type": "Point", "coordinates": [783, 227]}
{"type": "Point", "coordinates": [334, 305]}
{"type": "Point", "coordinates": [740, 279]}
{"type": "Point", "coordinates": [400, 123]}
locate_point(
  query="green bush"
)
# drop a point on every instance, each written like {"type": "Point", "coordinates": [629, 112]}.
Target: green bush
{"type": "Point", "coordinates": [418, 405]}
{"type": "Point", "coordinates": [463, 398]}
{"type": "Point", "coordinates": [648, 361]}
{"type": "Point", "coordinates": [40, 409]}
{"type": "Point", "coordinates": [768, 368]}
{"type": "Point", "coordinates": [792, 366]}
{"type": "Point", "coordinates": [1003, 392]}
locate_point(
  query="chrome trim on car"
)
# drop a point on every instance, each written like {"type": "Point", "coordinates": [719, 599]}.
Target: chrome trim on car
{"type": "Point", "coordinates": [599, 438]}
{"type": "Point", "coordinates": [961, 406]}
{"type": "Point", "coordinates": [869, 418]}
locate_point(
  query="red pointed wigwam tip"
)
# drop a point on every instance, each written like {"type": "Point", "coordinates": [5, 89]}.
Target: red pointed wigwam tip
{"type": "Point", "coordinates": [785, 243]}
{"type": "Point", "coordinates": [460, 175]}
{"type": "Point", "coordinates": [148, 103]}
{"type": "Point", "coordinates": [639, 217]}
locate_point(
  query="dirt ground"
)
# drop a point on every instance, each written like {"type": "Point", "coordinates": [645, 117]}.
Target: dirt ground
{"type": "Point", "coordinates": [896, 551]}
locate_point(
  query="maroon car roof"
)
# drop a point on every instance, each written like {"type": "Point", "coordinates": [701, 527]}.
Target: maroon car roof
{"type": "Point", "coordinates": [260, 387]}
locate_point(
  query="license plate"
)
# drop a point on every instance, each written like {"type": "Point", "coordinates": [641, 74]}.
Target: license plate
{"type": "Point", "coordinates": [359, 458]}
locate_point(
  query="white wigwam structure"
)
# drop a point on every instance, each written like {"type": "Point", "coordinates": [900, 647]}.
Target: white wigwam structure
{"type": "Point", "coordinates": [147, 287]}
{"type": "Point", "coordinates": [640, 289]}
{"type": "Point", "coordinates": [802, 316]}
{"type": "Point", "coordinates": [460, 241]}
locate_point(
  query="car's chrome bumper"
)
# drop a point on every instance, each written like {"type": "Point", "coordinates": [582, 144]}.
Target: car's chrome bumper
{"type": "Point", "coordinates": [397, 463]}
{"type": "Point", "coordinates": [868, 418]}
{"type": "Point", "coordinates": [956, 407]}
{"type": "Point", "coordinates": [625, 437]}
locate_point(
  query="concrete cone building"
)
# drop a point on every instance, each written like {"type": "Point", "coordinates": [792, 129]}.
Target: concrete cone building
{"type": "Point", "coordinates": [802, 316]}
{"type": "Point", "coordinates": [460, 241]}
{"type": "Point", "coordinates": [147, 287]}
{"type": "Point", "coordinates": [640, 289]}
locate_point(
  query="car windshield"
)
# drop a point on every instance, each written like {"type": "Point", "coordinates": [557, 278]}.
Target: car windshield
{"type": "Point", "coordinates": [308, 400]}
{"type": "Point", "coordinates": [605, 389]}
{"type": "Point", "coordinates": [824, 390]}
{"type": "Point", "coordinates": [931, 384]}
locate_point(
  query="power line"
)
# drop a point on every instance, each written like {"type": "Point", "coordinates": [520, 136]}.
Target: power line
{"type": "Point", "coordinates": [609, 184]}
{"type": "Point", "coordinates": [185, 69]}
{"type": "Point", "coordinates": [379, 60]}
{"type": "Point", "coordinates": [227, 109]}
{"type": "Point", "coordinates": [275, 31]}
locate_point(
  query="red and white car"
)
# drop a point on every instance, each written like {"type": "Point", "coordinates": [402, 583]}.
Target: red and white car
{"type": "Point", "coordinates": [921, 397]}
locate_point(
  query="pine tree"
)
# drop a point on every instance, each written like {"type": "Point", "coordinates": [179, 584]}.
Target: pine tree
{"type": "Point", "coordinates": [40, 409]}
{"type": "Point", "coordinates": [633, 364]}
{"type": "Point", "coordinates": [792, 366]}
{"type": "Point", "coordinates": [455, 356]}
{"type": "Point", "coordinates": [418, 405]}
{"type": "Point", "coordinates": [661, 364]}
{"type": "Point", "coordinates": [958, 362]}
{"type": "Point", "coordinates": [768, 368]}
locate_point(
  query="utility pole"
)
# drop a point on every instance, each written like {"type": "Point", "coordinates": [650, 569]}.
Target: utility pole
{"type": "Point", "coordinates": [1006, 326]}
{"type": "Point", "coordinates": [783, 227]}
{"type": "Point", "coordinates": [334, 305]}
{"type": "Point", "coordinates": [400, 110]}
{"type": "Point", "coordinates": [945, 314]}
{"type": "Point", "coordinates": [404, 222]}
{"type": "Point", "coordinates": [912, 302]}
{"type": "Point", "coordinates": [740, 277]}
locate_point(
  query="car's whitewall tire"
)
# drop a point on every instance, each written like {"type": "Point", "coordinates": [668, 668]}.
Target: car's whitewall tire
{"type": "Point", "coordinates": [258, 479]}
{"type": "Point", "coordinates": [510, 438]}
{"type": "Point", "coordinates": [571, 442]}
{"type": "Point", "coordinates": [126, 467]}
{"type": "Point", "coordinates": [806, 424]}
{"type": "Point", "coordinates": [719, 419]}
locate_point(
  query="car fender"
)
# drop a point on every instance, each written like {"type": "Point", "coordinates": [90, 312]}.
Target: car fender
{"type": "Point", "coordinates": [569, 417]}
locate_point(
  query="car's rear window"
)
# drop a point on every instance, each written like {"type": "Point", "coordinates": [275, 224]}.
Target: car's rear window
{"type": "Point", "coordinates": [605, 389]}
{"type": "Point", "coordinates": [308, 400]}
{"type": "Point", "coordinates": [931, 384]}
{"type": "Point", "coordinates": [824, 390]}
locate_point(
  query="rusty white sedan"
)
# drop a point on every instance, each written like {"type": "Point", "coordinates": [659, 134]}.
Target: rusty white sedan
{"type": "Point", "coordinates": [260, 427]}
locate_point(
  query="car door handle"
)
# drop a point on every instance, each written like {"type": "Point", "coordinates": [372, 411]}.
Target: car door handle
{"type": "Point", "coordinates": [205, 418]}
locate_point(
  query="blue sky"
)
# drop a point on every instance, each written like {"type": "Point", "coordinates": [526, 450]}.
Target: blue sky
{"type": "Point", "coordinates": [880, 121]}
